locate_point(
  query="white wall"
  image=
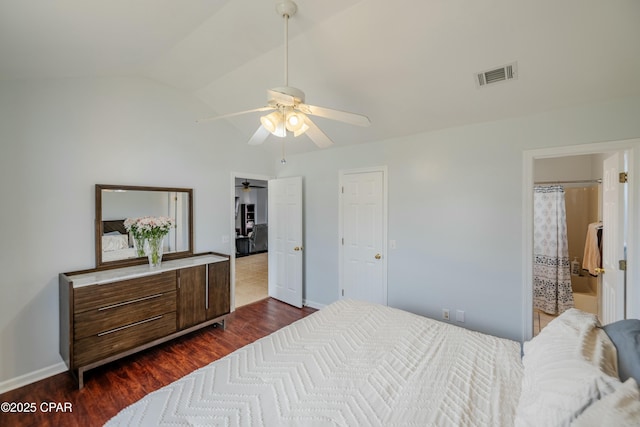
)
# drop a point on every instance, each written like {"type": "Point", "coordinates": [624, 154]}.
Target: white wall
{"type": "Point", "coordinates": [568, 168]}
{"type": "Point", "coordinates": [122, 205]}
{"type": "Point", "coordinates": [455, 210]}
{"type": "Point", "coordinates": [262, 203]}
{"type": "Point", "coordinates": [258, 197]}
{"type": "Point", "coordinates": [454, 198]}
{"type": "Point", "coordinates": [60, 138]}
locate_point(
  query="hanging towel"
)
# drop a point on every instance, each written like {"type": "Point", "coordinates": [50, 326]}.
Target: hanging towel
{"type": "Point", "coordinates": [592, 257]}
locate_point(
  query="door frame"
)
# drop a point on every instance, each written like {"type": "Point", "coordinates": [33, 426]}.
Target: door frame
{"type": "Point", "coordinates": [385, 224]}
{"type": "Point", "coordinates": [632, 147]}
{"type": "Point", "coordinates": [613, 308]}
{"type": "Point", "coordinates": [232, 212]}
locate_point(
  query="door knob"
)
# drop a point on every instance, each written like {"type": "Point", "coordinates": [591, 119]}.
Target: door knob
{"type": "Point", "coordinates": [599, 270]}
{"type": "Point", "coordinates": [297, 248]}
{"type": "Point", "coordinates": [378, 256]}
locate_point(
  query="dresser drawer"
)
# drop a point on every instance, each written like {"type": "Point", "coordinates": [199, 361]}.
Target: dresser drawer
{"type": "Point", "coordinates": [114, 341]}
{"type": "Point", "coordinates": [98, 320]}
{"type": "Point", "coordinates": [96, 296]}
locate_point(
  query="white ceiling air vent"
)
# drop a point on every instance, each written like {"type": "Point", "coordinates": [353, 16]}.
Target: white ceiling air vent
{"type": "Point", "coordinates": [497, 75]}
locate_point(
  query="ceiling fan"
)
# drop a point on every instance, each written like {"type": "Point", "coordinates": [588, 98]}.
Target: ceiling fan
{"type": "Point", "coordinates": [246, 186]}
{"type": "Point", "coordinates": [289, 113]}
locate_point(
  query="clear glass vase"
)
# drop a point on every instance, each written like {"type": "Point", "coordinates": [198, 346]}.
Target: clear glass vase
{"type": "Point", "coordinates": [153, 249]}
{"type": "Point", "coordinates": [139, 245]}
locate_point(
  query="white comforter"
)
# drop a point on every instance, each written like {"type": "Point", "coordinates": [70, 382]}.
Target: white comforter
{"type": "Point", "coordinates": [349, 364]}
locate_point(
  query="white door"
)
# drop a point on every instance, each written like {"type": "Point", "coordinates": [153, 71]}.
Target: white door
{"type": "Point", "coordinates": [363, 254]}
{"type": "Point", "coordinates": [613, 232]}
{"type": "Point", "coordinates": [285, 240]}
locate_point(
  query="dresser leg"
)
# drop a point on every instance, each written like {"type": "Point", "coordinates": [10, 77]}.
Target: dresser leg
{"type": "Point", "coordinates": [220, 324]}
{"type": "Point", "coordinates": [80, 379]}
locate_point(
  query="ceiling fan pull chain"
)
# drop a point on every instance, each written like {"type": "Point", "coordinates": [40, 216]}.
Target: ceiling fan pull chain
{"type": "Point", "coordinates": [283, 160]}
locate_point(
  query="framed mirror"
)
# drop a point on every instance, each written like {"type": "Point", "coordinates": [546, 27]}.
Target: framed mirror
{"type": "Point", "coordinates": [115, 247]}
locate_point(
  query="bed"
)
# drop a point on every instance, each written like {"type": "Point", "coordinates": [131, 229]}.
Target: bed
{"type": "Point", "coordinates": [116, 242]}
{"type": "Point", "coordinates": [360, 364]}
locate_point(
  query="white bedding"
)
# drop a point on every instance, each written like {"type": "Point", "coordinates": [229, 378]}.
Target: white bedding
{"type": "Point", "coordinates": [119, 254]}
{"type": "Point", "coordinates": [115, 242]}
{"type": "Point", "coordinates": [349, 364]}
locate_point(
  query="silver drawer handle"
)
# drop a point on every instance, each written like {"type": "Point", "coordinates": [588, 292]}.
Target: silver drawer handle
{"type": "Point", "coordinates": [206, 287]}
{"type": "Point", "coordinates": [120, 304]}
{"type": "Point", "coordinates": [151, 319]}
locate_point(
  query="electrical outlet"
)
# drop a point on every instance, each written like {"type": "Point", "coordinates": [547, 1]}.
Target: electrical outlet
{"type": "Point", "coordinates": [445, 313]}
{"type": "Point", "coordinates": [225, 239]}
{"type": "Point", "coordinates": [460, 316]}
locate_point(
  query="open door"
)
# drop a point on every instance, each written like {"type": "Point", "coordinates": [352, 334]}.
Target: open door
{"type": "Point", "coordinates": [285, 240]}
{"type": "Point", "coordinates": [614, 204]}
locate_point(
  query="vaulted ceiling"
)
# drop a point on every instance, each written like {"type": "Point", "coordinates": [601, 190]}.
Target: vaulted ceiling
{"type": "Point", "coordinates": [407, 64]}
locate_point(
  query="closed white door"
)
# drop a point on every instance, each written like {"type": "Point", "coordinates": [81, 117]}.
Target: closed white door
{"type": "Point", "coordinates": [285, 240]}
{"type": "Point", "coordinates": [363, 254]}
{"type": "Point", "coordinates": [613, 232]}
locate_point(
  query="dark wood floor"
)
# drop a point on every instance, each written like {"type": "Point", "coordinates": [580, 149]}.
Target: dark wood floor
{"type": "Point", "coordinates": [110, 388]}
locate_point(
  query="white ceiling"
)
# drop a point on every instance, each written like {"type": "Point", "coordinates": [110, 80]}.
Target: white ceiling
{"type": "Point", "coordinates": [407, 64]}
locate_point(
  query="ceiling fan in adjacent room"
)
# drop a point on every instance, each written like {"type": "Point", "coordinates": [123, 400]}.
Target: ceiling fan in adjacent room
{"type": "Point", "coordinates": [246, 186]}
{"type": "Point", "coordinates": [289, 113]}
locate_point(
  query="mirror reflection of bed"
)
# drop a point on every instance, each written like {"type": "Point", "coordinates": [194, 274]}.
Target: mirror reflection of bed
{"type": "Point", "coordinates": [117, 243]}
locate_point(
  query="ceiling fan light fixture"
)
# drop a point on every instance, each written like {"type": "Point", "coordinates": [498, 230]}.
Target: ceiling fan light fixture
{"type": "Point", "coordinates": [274, 124]}
{"type": "Point", "coordinates": [270, 122]}
{"type": "Point", "coordinates": [302, 129]}
{"type": "Point", "coordinates": [246, 186]}
{"type": "Point", "coordinates": [295, 121]}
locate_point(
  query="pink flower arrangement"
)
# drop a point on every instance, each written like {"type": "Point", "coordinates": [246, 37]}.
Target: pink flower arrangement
{"type": "Point", "coordinates": [149, 227]}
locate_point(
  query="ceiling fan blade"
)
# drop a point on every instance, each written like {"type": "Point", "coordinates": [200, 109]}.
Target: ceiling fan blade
{"type": "Point", "coordinates": [260, 136]}
{"type": "Point", "coordinates": [247, 184]}
{"type": "Point", "coordinates": [316, 135]}
{"type": "Point", "coordinates": [342, 116]}
{"type": "Point", "coordinates": [226, 116]}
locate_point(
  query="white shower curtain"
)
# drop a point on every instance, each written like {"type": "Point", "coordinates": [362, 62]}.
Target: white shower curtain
{"type": "Point", "coordinates": [552, 291]}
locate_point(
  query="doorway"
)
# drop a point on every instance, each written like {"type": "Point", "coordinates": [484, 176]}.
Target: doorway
{"type": "Point", "coordinates": [597, 152]}
{"type": "Point", "coordinates": [249, 245]}
{"type": "Point", "coordinates": [567, 213]}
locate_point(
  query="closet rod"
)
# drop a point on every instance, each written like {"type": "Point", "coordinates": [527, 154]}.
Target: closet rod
{"type": "Point", "coordinates": [579, 181]}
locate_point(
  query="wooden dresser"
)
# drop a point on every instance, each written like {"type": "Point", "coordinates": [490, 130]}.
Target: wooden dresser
{"type": "Point", "coordinates": [109, 314]}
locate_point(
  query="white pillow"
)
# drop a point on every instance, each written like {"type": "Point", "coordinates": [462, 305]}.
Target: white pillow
{"type": "Point", "coordinates": [114, 243]}
{"type": "Point", "coordinates": [620, 409]}
{"type": "Point", "coordinates": [568, 366]}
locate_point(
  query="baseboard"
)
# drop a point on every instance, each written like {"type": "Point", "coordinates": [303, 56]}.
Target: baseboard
{"type": "Point", "coordinates": [313, 304]}
{"type": "Point", "coordinates": [32, 377]}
